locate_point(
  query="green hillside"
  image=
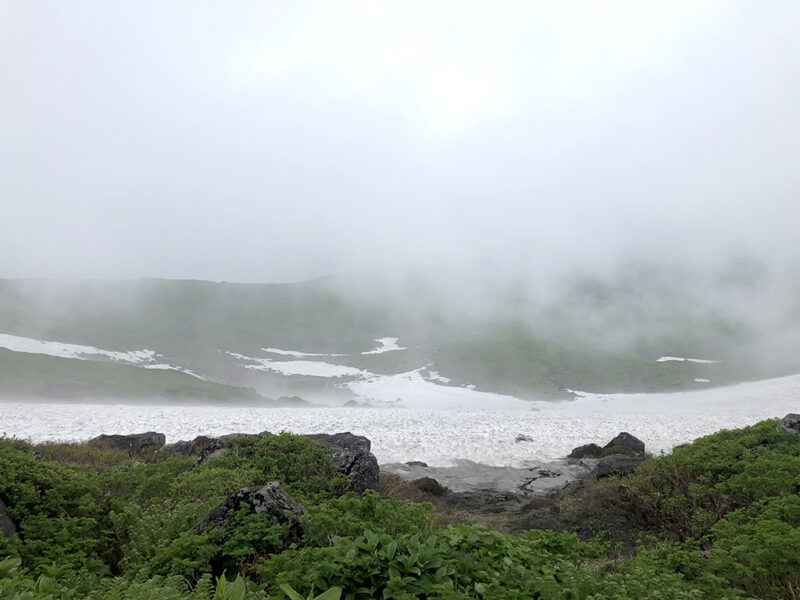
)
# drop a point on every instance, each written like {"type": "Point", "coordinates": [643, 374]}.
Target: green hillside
{"type": "Point", "coordinates": [37, 376]}
{"type": "Point", "coordinates": [583, 332]}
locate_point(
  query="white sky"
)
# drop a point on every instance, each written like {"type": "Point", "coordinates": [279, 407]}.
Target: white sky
{"type": "Point", "coordinates": [256, 141]}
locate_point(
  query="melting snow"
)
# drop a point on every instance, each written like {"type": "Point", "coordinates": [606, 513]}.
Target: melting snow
{"type": "Point", "coordinates": [679, 359]}
{"type": "Point", "coordinates": [306, 367]}
{"type": "Point", "coordinates": [387, 344]}
{"type": "Point", "coordinates": [434, 376]}
{"type": "Point", "coordinates": [412, 390]}
{"type": "Point", "coordinates": [63, 350]}
{"type": "Point", "coordinates": [139, 358]}
{"type": "Point", "coordinates": [296, 353]}
{"type": "Point", "coordinates": [405, 390]}
{"type": "Point", "coordinates": [300, 367]}
{"type": "Point", "coordinates": [440, 437]}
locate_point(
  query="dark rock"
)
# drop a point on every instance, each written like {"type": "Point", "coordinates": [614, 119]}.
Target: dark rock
{"type": "Point", "coordinates": [790, 423]}
{"type": "Point", "coordinates": [523, 438]}
{"type": "Point", "coordinates": [270, 500]}
{"type": "Point", "coordinates": [617, 464]}
{"type": "Point", "coordinates": [216, 447]}
{"type": "Point", "coordinates": [191, 448]}
{"type": "Point", "coordinates": [37, 455]}
{"type": "Point", "coordinates": [416, 463]}
{"type": "Point", "coordinates": [7, 526]}
{"type": "Point", "coordinates": [627, 441]}
{"type": "Point", "coordinates": [586, 451]}
{"type": "Point", "coordinates": [351, 404]}
{"type": "Point", "coordinates": [183, 447]}
{"type": "Point", "coordinates": [428, 485]}
{"type": "Point", "coordinates": [351, 455]}
{"type": "Point", "coordinates": [133, 442]}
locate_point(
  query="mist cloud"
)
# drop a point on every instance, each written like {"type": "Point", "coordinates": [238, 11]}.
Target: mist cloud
{"type": "Point", "coordinates": [254, 142]}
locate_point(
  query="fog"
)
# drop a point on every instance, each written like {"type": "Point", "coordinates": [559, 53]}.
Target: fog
{"type": "Point", "coordinates": [260, 142]}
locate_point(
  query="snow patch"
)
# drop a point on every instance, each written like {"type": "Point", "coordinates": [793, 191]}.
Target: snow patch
{"type": "Point", "coordinates": [434, 376]}
{"type": "Point", "coordinates": [140, 358]}
{"type": "Point", "coordinates": [679, 359]}
{"type": "Point", "coordinates": [296, 353]}
{"type": "Point", "coordinates": [310, 368]}
{"type": "Point", "coordinates": [387, 344]}
{"type": "Point", "coordinates": [306, 367]}
{"type": "Point", "coordinates": [64, 350]}
{"type": "Point", "coordinates": [412, 390]}
{"type": "Point", "coordinates": [702, 380]}
{"type": "Point", "coordinates": [166, 367]}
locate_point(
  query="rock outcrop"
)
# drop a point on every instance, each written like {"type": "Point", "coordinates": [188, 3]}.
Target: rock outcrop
{"type": "Point", "coordinates": [627, 442]}
{"type": "Point", "coordinates": [216, 446]}
{"type": "Point", "coordinates": [617, 464]}
{"type": "Point", "coordinates": [469, 476]}
{"type": "Point", "coordinates": [351, 455]}
{"type": "Point", "coordinates": [791, 423]}
{"type": "Point", "coordinates": [7, 526]}
{"type": "Point", "coordinates": [429, 485]}
{"type": "Point", "coordinates": [621, 455]}
{"type": "Point", "coordinates": [586, 451]}
{"type": "Point", "coordinates": [132, 442]}
{"type": "Point", "coordinates": [271, 500]}
{"type": "Point", "coordinates": [191, 447]}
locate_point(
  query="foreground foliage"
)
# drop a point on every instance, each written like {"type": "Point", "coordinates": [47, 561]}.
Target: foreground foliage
{"type": "Point", "coordinates": [98, 523]}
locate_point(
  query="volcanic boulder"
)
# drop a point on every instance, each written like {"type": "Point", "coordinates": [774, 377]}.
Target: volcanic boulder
{"type": "Point", "coordinates": [617, 464]}
{"type": "Point", "coordinates": [351, 455]}
{"type": "Point", "coordinates": [790, 422]}
{"type": "Point", "coordinates": [270, 500]}
{"type": "Point", "coordinates": [132, 442]}
{"type": "Point", "coordinates": [627, 443]}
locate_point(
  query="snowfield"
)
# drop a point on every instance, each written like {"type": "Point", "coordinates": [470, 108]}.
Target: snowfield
{"type": "Point", "coordinates": [439, 437]}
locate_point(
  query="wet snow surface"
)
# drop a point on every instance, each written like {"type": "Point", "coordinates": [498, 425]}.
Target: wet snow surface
{"type": "Point", "coordinates": [439, 437]}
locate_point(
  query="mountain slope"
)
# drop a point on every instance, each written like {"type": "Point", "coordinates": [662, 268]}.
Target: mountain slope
{"type": "Point", "coordinates": [26, 375]}
{"type": "Point", "coordinates": [584, 332]}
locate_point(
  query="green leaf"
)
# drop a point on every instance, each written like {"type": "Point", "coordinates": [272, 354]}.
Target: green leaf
{"type": "Point", "coordinates": [332, 594]}
{"type": "Point", "coordinates": [289, 591]}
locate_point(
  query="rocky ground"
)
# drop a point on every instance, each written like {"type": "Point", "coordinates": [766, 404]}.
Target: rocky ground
{"type": "Point", "coordinates": [573, 494]}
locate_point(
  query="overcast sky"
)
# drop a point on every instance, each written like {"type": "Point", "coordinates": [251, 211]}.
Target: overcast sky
{"type": "Point", "coordinates": [278, 141]}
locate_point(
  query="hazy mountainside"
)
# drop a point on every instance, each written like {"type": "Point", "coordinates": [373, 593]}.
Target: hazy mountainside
{"type": "Point", "coordinates": [34, 376]}
{"type": "Point", "coordinates": [580, 332]}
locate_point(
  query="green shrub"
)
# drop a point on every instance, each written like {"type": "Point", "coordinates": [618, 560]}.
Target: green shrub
{"type": "Point", "coordinates": [300, 465]}
{"type": "Point", "coordinates": [685, 493]}
{"type": "Point", "coordinates": [352, 515]}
